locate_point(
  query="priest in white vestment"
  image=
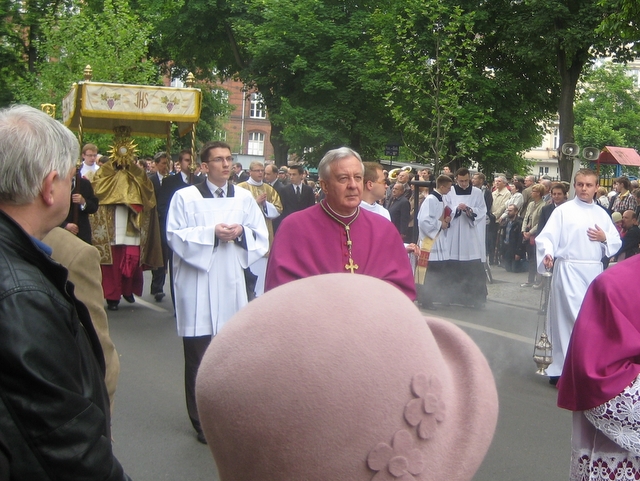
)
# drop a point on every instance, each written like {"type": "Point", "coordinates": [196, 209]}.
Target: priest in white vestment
{"type": "Point", "coordinates": [465, 242]}
{"type": "Point", "coordinates": [216, 231]}
{"type": "Point", "coordinates": [574, 240]}
{"type": "Point", "coordinates": [269, 201]}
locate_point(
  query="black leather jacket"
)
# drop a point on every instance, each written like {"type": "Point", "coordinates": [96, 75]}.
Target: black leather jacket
{"type": "Point", "coordinates": [54, 409]}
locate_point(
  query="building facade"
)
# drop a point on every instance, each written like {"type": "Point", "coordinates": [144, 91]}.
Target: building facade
{"type": "Point", "coordinates": [247, 130]}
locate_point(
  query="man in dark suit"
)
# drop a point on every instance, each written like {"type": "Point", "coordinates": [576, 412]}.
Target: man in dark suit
{"type": "Point", "coordinates": [631, 239]}
{"type": "Point", "coordinates": [271, 177]}
{"type": "Point", "coordinates": [83, 203]}
{"type": "Point", "coordinates": [171, 185]}
{"type": "Point", "coordinates": [558, 196]}
{"type": "Point", "coordinates": [296, 195]}
{"type": "Point", "coordinates": [238, 175]}
{"type": "Point", "coordinates": [158, 176]}
{"type": "Point", "coordinates": [399, 209]}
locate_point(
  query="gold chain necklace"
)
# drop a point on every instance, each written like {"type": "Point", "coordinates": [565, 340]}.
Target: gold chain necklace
{"type": "Point", "coordinates": [351, 266]}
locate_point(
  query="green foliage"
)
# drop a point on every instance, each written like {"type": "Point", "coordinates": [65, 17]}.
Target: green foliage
{"type": "Point", "coordinates": [112, 41]}
{"type": "Point", "coordinates": [305, 57]}
{"type": "Point", "coordinates": [215, 110]}
{"type": "Point", "coordinates": [623, 21]}
{"type": "Point", "coordinates": [426, 48]}
{"type": "Point", "coordinates": [607, 110]}
{"type": "Point", "coordinates": [565, 35]}
{"type": "Point", "coordinates": [110, 36]}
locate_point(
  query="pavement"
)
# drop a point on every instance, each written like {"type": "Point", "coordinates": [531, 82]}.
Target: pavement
{"type": "Point", "coordinates": [506, 289]}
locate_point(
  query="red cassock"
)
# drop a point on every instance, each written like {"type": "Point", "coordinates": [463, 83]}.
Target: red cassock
{"type": "Point", "coordinates": [310, 242]}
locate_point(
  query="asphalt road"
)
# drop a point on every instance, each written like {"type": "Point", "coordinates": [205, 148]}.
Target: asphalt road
{"type": "Point", "coordinates": [155, 441]}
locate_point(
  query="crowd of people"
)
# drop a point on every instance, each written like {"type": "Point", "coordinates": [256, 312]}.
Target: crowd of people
{"type": "Point", "coordinates": [226, 236]}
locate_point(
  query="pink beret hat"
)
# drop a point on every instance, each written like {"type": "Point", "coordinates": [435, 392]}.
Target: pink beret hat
{"type": "Point", "coordinates": [339, 377]}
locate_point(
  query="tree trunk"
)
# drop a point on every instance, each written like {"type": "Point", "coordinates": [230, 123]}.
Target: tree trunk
{"type": "Point", "coordinates": [280, 147]}
{"type": "Point", "coordinates": [569, 76]}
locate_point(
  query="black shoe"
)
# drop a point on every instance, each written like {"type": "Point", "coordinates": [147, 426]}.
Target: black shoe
{"type": "Point", "coordinates": [130, 299]}
{"type": "Point", "coordinates": [112, 305]}
{"type": "Point", "coordinates": [159, 296]}
{"type": "Point", "coordinates": [201, 439]}
{"type": "Point", "coordinates": [553, 380]}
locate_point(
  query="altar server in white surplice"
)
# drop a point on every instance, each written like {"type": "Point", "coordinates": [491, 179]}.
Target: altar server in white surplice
{"type": "Point", "coordinates": [433, 221]}
{"type": "Point", "coordinates": [216, 231]}
{"type": "Point", "coordinates": [465, 240]}
{"type": "Point", "coordinates": [574, 240]}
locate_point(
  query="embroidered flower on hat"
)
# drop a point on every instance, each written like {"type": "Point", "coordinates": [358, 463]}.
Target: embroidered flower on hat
{"type": "Point", "coordinates": [428, 409]}
{"type": "Point", "coordinates": [398, 462]}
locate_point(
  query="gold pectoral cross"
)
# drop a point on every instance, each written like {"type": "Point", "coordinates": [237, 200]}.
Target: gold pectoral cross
{"type": "Point", "coordinates": [351, 266]}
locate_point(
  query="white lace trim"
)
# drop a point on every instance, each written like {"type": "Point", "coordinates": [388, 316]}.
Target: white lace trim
{"type": "Point", "coordinates": [619, 418]}
{"type": "Point", "coordinates": [610, 467]}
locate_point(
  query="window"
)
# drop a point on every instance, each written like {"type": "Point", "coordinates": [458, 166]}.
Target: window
{"type": "Point", "coordinates": [256, 143]}
{"type": "Point", "coordinates": [556, 139]}
{"type": "Point", "coordinates": [258, 110]}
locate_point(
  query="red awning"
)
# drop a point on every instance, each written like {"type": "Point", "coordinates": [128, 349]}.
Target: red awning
{"type": "Point", "coordinates": [619, 155]}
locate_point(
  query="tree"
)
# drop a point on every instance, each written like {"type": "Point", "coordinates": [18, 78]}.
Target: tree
{"type": "Point", "coordinates": [607, 109]}
{"type": "Point", "coordinates": [20, 43]}
{"type": "Point", "coordinates": [454, 81]}
{"type": "Point", "coordinates": [567, 35]}
{"type": "Point", "coordinates": [304, 57]}
{"type": "Point", "coordinates": [426, 50]}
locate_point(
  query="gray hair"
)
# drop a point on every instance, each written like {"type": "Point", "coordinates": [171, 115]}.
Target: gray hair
{"type": "Point", "coordinates": [332, 156]}
{"type": "Point", "coordinates": [32, 145]}
{"type": "Point", "coordinates": [502, 178]}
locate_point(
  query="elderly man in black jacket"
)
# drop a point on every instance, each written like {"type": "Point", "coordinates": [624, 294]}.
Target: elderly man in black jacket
{"type": "Point", "coordinates": [511, 241]}
{"type": "Point", "coordinates": [54, 409]}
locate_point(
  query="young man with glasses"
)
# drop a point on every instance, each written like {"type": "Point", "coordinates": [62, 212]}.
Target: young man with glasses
{"type": "Point", "coordinates": [216, 231]}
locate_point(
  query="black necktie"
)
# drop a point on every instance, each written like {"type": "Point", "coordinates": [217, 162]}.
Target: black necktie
{"type": "Point", "coordinates": [298, 192]}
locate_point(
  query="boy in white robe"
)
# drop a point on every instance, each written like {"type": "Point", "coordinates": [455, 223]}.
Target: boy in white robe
{"type": "Point", "coordinates": [432, 223]}
{"type": "Point", "coordinates": [574, 240]}
{"type": "Point", "coordinates": [216, 231]}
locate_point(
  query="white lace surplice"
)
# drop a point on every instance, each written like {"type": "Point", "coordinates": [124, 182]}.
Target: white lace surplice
{"type": "Point", "coordinates": [606, 439]}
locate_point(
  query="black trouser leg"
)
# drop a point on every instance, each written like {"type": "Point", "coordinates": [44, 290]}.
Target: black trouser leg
{"type": "Point", "coordinates": [194, 349]}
